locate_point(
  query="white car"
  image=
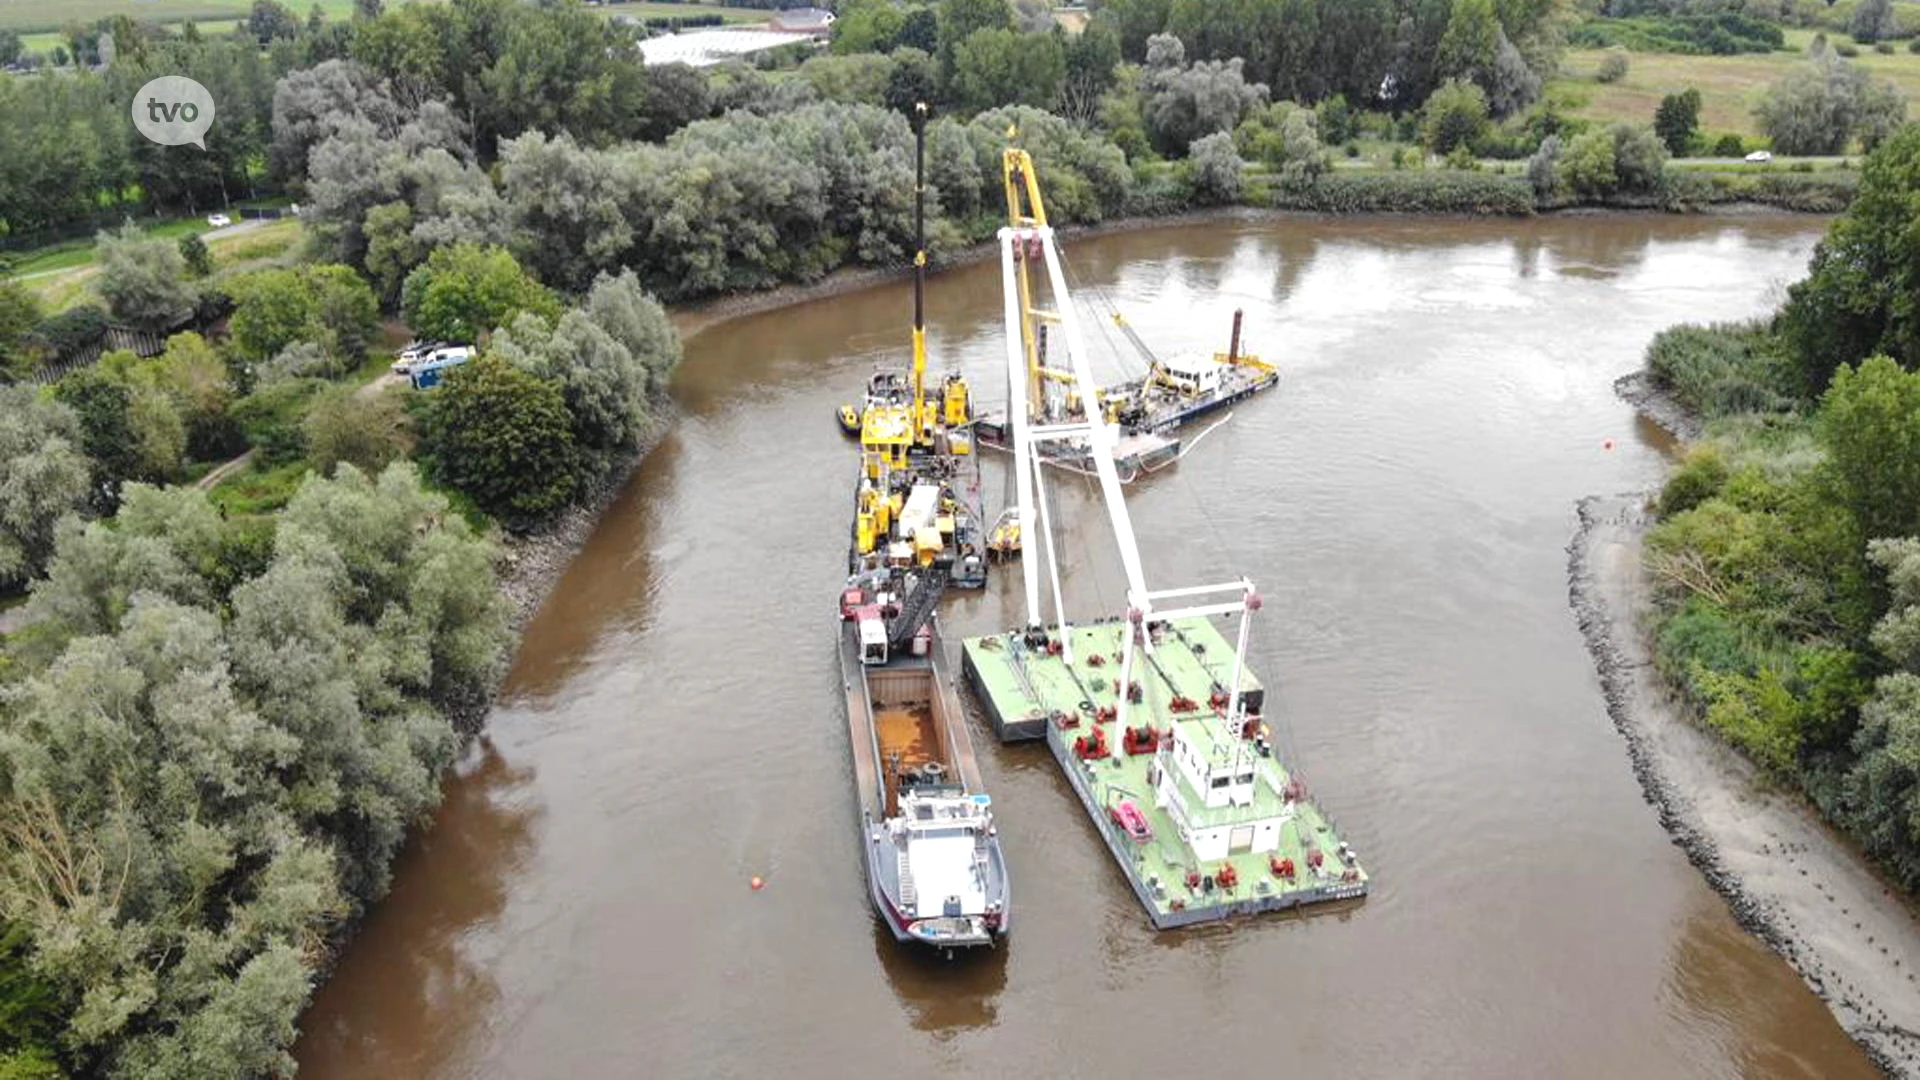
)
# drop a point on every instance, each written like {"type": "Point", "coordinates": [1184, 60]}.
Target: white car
{"type": "Point", "coordinates": [1759, 156]}
{"type": "Point", "coordinates": [219, 221]}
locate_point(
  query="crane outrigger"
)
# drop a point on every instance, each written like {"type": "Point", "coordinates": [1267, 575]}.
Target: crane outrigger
{"type": "Point", "coordinates": [1193, 802]}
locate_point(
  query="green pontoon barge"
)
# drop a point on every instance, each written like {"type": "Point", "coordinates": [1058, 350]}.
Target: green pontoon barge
{"type": "Point", "coordinates": [1152, 715]}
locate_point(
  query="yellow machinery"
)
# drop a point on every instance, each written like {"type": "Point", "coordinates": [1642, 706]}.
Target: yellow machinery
{"type": "Point", "coordinates": [890, 428]}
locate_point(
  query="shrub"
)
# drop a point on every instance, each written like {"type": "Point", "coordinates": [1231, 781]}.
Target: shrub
{"type": "Point", "coordinates": [1613, 66]}
{"type": "Point", "coordinates": [271, 417]}
{"type": "Point", "coordinates": [1455, 115]}
{"type": "Point", "coordinates": [343, 426]}
{"type": "Point", "coordinates": [1417, 192]}
{"type": "Point", "coordinates": [1698, 479]}
{"type": "Point", "coordinates": [1885, 48]}
{"type": "Point", "coordinates": [1847, 49]}
{"type": "Point", "coordinates": [1729, 145]}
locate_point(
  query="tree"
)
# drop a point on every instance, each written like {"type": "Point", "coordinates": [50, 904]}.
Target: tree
{"type": "Point", "coordinates": [920, 30]}
{"type": "Point", "coordinates": [867, 26]}
{"type": "Point", "coordinates": [19, 315]}
{"type": "Point", "coordinates": [465, 290]}
{"type": "Point", "coordinates": [43, 475]}
{"type": "Point", "coordinates": [853, 79]}
{"type": "Point", "coordinates": [1285, 138]}
{"type": "Point", "coordinates": [269, 20]}
{"type": "Point", "coordinates": [144, 281]}
{"type": "Point", "coordinates": [1677, 121]}
{"type": "Point", "coordinates": [910, 82]}
{"type": "Point", "coordinates": [1543, 168]}
{"type": "Point", "coordinates": [1823, 104]}
{"type": "Point", "coordinates": [1007, 67]}
{"type": "Point", "coordinates": [1639, 158]}
{"type": "Point", "coordinates": [101, 404]}
{"type": "Point", "coordinates": [1091, 58]}
{"type": "Point", "coordinates": [193, 251]}
{"type": "Point", "coordinates": [504, 437]}
{"type": "Point", "coordinates": [10, 47]}
{"type": "Point", "coordinates": [959, 20]}
{"type": "Point", "coordinates": [1472, 41]}
{"type": "Point", "coordinates": [676, 96]}
{"type": "Point", "coordinates": [1456, 115]}
{"type": "Point", "coordinates": [195, 379]}
{"type": "Point", "coordinates": [1184, 104]}
{"type": "Point", "coordinates": [327, 305]}
{"type": "Point", "coordinates": [1873, 21]}
{"type": "Point", "coordinates": [343, 426]}
{"type": "Point", "coordinates": [1857, 298]}
{"type": "Point", "coordinates": [1869, 423]}
{"type": "Point", "coordinates": [636, 320]}
{"type": "Point", "coordinates": [1511, 83]}
{"type": "Point", "coordinates": [1215, 166]}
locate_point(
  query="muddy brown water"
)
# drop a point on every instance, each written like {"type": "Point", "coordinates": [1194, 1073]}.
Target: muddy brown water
{"type": "Point", "coordinates": [673, 723]}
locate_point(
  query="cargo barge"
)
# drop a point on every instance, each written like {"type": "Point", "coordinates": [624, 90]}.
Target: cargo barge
{"type": "Point", "coordinates": [935, 871]}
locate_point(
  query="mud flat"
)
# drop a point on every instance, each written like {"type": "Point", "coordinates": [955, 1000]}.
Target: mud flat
{"type": "Point", "coordinates": [1788, 877]}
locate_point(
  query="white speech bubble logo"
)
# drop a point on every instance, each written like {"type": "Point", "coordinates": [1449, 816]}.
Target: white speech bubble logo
{"type": "Point", "coordinates": [173, 110]}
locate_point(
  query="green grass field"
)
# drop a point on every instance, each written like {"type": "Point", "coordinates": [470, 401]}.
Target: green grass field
{"type": "Point", "coordinates": [1729, 85]}
{"type": "Point", "coordinates": [48, 16]}
{"type": "Point", "coordinates": [646, 10]}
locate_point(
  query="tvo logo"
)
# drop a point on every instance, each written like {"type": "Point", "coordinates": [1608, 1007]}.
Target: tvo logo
{"type": "Point", "coordinates": [173, 110]}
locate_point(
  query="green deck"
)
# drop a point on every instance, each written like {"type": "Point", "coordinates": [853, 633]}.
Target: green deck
{"type": "Point", "coordinates": [1022, 688]}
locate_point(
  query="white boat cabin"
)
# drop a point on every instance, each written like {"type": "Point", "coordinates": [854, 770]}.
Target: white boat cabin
{"type": "Point", "coordinates": [1192, 374]}
{"type": "Point", "coordinates": [1215, 797]}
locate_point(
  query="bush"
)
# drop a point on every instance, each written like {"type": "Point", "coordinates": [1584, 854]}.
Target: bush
{"type": "Point", "coordinates": [1847, 49]}
{"type": "Point", "coordinates": [1698, 479]}
{"type": "Point", "coordinates": [1885, 48]}
{"type": "Point", "coordinates": [271, 417]}
{"type": "Point", "coordinates": [1613, 66]}
{"type": "Point", "coordinates": [342, 426]}
{"type": "Point", "coordinates": [1455, 115]}
{"type": "Point", "coordinates": [1730, 146]}
{"type": "Point", "coordinates": [1415, 192]}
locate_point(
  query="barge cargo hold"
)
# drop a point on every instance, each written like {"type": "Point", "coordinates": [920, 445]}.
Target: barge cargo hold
{"type": "Point", "coordinates": [1185, 860]}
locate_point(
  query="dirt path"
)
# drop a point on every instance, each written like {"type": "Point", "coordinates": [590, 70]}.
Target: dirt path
{"type": "Point", "coordinates": [1788, 877]}
{"type": "Point", "coordinates": [224, 470]}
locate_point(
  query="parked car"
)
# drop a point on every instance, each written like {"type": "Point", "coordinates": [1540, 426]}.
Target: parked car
{"type": "Point", "coordinates": [428, 370]}
{"type": "Point", "coordinates": [219, 221]}
{"type": "Point", "coordinates": [1759, 156]}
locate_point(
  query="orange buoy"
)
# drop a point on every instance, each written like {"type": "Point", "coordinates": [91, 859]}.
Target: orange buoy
{"type": "Point", "coordinates": [758, 883]}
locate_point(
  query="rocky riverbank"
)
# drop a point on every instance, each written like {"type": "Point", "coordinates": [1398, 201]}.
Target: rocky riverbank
{"type": "Point", "coordinates": [1787, 877]}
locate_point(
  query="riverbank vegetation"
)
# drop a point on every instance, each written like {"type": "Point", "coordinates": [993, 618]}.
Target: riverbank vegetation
{"type": "Point", "coordinates": [1788, 550]}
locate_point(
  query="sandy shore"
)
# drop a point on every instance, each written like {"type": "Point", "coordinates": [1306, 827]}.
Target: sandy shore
{"type": "Point", "coordinates": [1787, 876]}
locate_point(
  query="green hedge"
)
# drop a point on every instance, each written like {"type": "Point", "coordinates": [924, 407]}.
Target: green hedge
{"type": "Point", "coordinates": [1438, 191]}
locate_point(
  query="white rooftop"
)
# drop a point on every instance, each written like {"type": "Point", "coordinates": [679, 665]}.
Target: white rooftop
{"type": "Point", "coordinates": [704, 48]}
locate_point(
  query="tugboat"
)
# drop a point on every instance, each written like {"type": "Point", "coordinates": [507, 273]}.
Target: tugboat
{"type": "Point", "coordinates": [935, 870]}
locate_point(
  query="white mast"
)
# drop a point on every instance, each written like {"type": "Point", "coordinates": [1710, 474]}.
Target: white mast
{"type": "Point", "coordinates": [1102, 439]}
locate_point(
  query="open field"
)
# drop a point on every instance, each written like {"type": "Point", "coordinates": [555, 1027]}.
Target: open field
{"type": "Point", "coordinates": [61, 276]}
{"type": "Point", "coordinates": [39, 21]}
{"type": "Point", "coordinates": [1729, 85]}
{"type": "Point", "coordinates": [653, 10]}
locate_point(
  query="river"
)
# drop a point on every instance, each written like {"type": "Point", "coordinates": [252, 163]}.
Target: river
{"type": "Point", "coordinates": [672, 724]}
